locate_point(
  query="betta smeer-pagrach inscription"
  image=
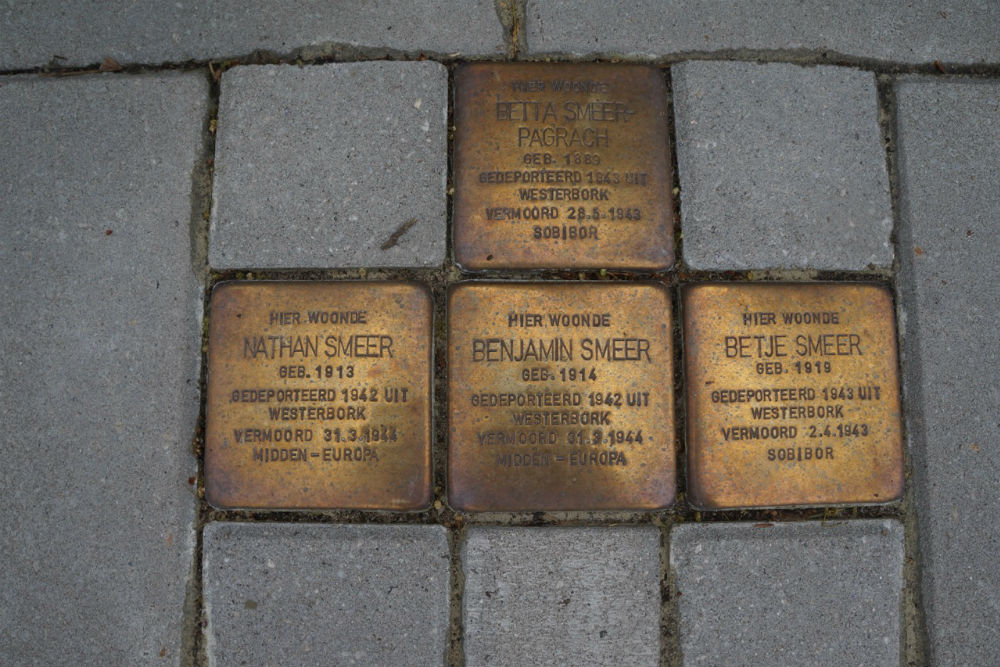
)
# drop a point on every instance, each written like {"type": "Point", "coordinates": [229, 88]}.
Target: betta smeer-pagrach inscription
{"type": "Point", "coordinates": [319, 395]}
{"type": "Point", "coordinates": [560, 396]}
{"type": "Point", "coordinates": [562, 166]}
{"type": "Point", "coordinates": [792, 395]}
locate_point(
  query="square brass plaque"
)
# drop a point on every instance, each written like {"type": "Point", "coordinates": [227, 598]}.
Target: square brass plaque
{"type": "Point", "coordinates": [319, 396]}
{"type": "Point", "coordinates": [560, 396]}
{"type": "Point", "coordinates": [792, 394]}
{"type": "Point", "coordinates": [562, 166]}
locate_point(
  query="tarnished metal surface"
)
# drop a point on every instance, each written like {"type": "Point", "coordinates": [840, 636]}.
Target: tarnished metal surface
{"type": "Point", "coordinates": [319, 396]}
{"type": "Point", "coordinates": [792, 394]}
{"type": "Point", "coordinates": [562, 166]}
{"type": "Point", "coordinates": [560, 396]}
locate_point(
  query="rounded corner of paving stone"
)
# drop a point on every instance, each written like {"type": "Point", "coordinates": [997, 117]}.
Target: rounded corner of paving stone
{"type": "Point", "coordinates": [560, 396]}
{"type": "Point", "coordinates": [562, 595]}
{"type": "Point", "coordinates": [336, 165]}
{"type": "Point", "coordinates": [793, 395]}
{"type": "Point", "coordinates": [803, 593]}
{"type": "Point", "coordinates": [561, 165]}
{"type": "Point", "coordinates": [346, 594]}
{"type": "Point", "coordinates": [319, 395]}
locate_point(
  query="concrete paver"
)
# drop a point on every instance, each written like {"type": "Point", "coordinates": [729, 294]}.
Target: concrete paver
{"type": "Point", "coordinates": [789, 594]}
{"type": "Point", "coordinates": [101, 347]}
{"type": "Point", "coordinates": [146, 31]}
{"type": "Point", "coordinates": [780, 166]}
{"type": "Point", "coordinates": [561, 596]}
{"type": "Point", "coordinates": [962, 32]}
{"type": "Point", "coordinates": [949, 148]}
{"type": "Point", "coordinates": [307, 594]}
{"type": "Point", "coordinates": [339, 165]}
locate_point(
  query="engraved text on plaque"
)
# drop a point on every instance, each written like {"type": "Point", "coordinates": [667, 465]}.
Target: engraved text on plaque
{"type": "Point", "coordinates": [560, 396]}
{"type": "Point", "coordinates": [562, 166]}
{"type": "Point", "coordinates": [319, 396]}
{"type": "Point", "coordinates": [792, 394]}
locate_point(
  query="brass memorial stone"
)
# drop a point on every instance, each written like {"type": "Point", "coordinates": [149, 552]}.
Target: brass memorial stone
{"type": "Point", "coordinates": [562, 166]}
{"type": "Point", "coordinates": [319, 396]}
{"type": "Point", "coordinates": [792, 394]}
{"type": "Point", "coordinates": [560, 396]}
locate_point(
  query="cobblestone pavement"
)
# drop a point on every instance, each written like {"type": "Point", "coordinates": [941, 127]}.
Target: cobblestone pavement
{"type": "Point", "coordinates": [154, 149]}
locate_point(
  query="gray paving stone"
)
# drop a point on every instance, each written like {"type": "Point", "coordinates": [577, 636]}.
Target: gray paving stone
{"type": "Point", "coordinates": [100, 337]}
{"type": "Point", "coordinates": [311, 594]}
{"type": "Point", "coordinates": [949, 149]}
{"type": "Point", "coordinates": [780, 166]}
{"type": "Point", "coordinates": [562, 596]}
{"type": "Point", "coordinates": [956, 32]}
{"type": "Point", "coordinates": [146, 31]}
{"type": "Point", "coordinates": [789, 594]}
{"type": "Point", "coordinates": [321, 166]}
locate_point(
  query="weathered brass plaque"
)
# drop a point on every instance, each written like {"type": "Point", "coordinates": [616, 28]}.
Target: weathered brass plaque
{"type": "Point", "coordinates": [319, 396]}
{"type": "Point", "coordinates": [792, 394]}
{"type": "Point", "coordinates": [560, 396]}
{"type": "Point", "coordinates": [562, 166]}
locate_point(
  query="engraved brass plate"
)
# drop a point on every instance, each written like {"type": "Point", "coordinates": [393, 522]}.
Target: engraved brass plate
{"type": "Point", "coordinates": [792, 394]}
{"type": "Point", "coordinates": [319, 396]}
{"type": "Point", "coordinates": [560, 396]}
{"type": "Point", "coordinates": [562, 166]}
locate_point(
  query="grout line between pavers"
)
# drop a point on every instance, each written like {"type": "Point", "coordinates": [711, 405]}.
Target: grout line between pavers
{"type": "Point", "coordinates": [680, 405]}
{"type": "Point", "coordinates": [510, 13]}
{"type": "Point", "coordinates": [671, 654]}
{"type": "Point", "coordinates": [670, 619]}
{"type": "Point", "coordinates": [803, 57]}
{"type": "Point", "coordinates": [320, 54]}
{"type": "Point", "coordinates": [914, 640]}
{"type": "Point", "coordinates": [516, 41]}
{"type": "Point", "coordinates": [520, 36]}
{"type": "Point", "coordinates": [455, 649]}
{"type": "Point", "coordinates": [455, 646]}
{"type": "Point", "coordinates": [193, 624]}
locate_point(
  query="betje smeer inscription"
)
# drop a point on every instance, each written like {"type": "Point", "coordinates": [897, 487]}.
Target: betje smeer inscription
{"type": "Point", "coordinates": [560, 396]}
{"type": "Point", "coordinates": [793, 395]}
{"type": "Point", "coordinates": [319, 396]}
{"type": "Point", "coordinates": [560, 166]}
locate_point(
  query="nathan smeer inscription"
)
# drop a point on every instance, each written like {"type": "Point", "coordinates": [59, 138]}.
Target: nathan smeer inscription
{"type": "Point", "coordinates": [560, 396]}
{"type": "Point", "coordinates": [319, 395]}
{"type": "Point", "coordinates": [561, 166]}
{"type": "Point", "coordinates": [793, 395]}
